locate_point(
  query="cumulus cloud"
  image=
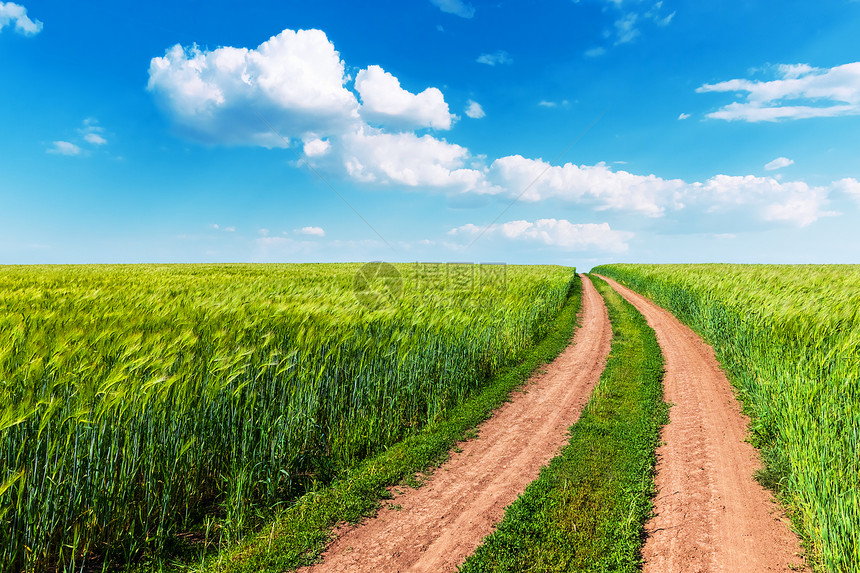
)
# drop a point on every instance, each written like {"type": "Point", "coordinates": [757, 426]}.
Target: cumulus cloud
{"type": "Point", "coordinates": [554, 232]}
{"type": "Point", "coordinates": [294, 80]}
{"type": "Point", "coordinates": [801, 91]}
{"type": "Point", "coordinates": [385, 102]}
{"type": "Point", "coordinates": [536, 180]}
{"type": "Point", "coordinates": [474, 110]}
{"type": "Point", "coordinates": [297, 81]}
{"type": "Point", "coordinates": [64, 148]}
{"type": "Point", "coordinates": [316, 147]}
{"type": "Point", "coordinates": [12, 14]}
{"type": "Point", "coordinates": [496, 58]}
{"type": "Point", "coordinates": [456, 7]}
{"type": "Point", "coordinates": [312, 231]}
{"type": "Point", "coordinates": [372, 155]}
{"type": "Point", "coordinates": [778, 163]}
{"type": "Point", "coordinates": [849, 186]}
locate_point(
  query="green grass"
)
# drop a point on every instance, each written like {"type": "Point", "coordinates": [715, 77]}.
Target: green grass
{"type": "Point", "coordinates": [145, 407]}
{"type": "Point", "coordinates": [297, 535]}
{"type": "Point", "coordinates": [586, 510]}
{"type": "Point", "coordinates": [789, 338]}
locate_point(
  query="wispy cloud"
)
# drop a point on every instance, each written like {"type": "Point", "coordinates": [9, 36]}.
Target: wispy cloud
{"type": "Point", "coordinates": [12, 14]}
{"type": "Point", "coordinates": [456, 7]}
{"type": "Point", "coordinates": [496, 58]}
{"type": "Point", "coordinates": [801, 91]}
{"type": "Point", "coordinates": [64, 148]}
{"type": "Point", "coordinates": [684, 116]}
{"type": "Point", "coordinates": [552, 232]}
{"type": "Point", "coordinates": [312, 231]}
{"type": "Point", "coordinates": [474, 110]}
{"type": "Point", "coordinates": [778, 163]}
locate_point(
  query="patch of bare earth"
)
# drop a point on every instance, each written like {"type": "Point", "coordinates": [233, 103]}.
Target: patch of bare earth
{"type": "Point", "coordinates": [434, 528]}
{"type": "Point", "coordinates": [711, 515]}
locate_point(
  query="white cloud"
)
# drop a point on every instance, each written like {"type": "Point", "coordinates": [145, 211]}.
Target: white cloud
{"type": "Point", "coordinates": [801, 92]}
{"type": "Point", "coordinates": [456, 7]}
{"type": "Point", "coordinates": [496, 58]}
{"type": "Point", "coordinates": [95, 139]}
{"type": "Point", "coordinates": [218, 227]}
{"type": "Point", "coordinates": [554, 232]}
{"type": "Point", "coordinates": [535, 180]}
{"type": "Point", "coordinates": [294, 80]}
{"type": "Point", "coordinates": [793, 201]}
{"type": "Point", "coordinates": [385, 102]}
{"type": "Point", "coordinates": [849, 186]}
{"type": "Point", "coordinates": [625, 28]}
{"type": "Point", "coordinates": [316, 147]}
{"type": "Point", "coordinates": [371, 155]}
{"type": "Point", "coordinates": [92, 132]}
{"type": "Point", "coordinates": [15, 14]}
{"type": "Point", "coordinates": [595, 52]}
{"type": "Point", "coordinates": [474, 110]}
{"type": "Point", "coordinates": [684, 116]}
{"type": "Point", "coordinates": [64, 148]}
{"type": "Point", "coordinates": [313, 231]}
{"type": "Point", "coordinates": [778, 163]}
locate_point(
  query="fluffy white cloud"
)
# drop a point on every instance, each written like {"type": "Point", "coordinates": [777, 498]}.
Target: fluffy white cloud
{"type": "Point", "coordinates": [294, 80]}
{"type": "Point", "coordinates": [474, 110]}
{"type": "Point", "coordinates": [313, 231]}
{"type": "Point", "coordinates": [535, 180]}
{"type": "Point", "coordinates": [801, 92]}
{"type": "Point", "coordinates": [496, 58]}
{"type": "Point", "coordinates": [404, 158]}
{"type": "Point", "coordinates": [64, 148]}
{"type": "Point", "coordinates": [778, 163]}
{"type": "Point", "coordinates": [684, 116]}
{"type": "Point", "coordinates": [15, 14]}
{"type": "Point", "coordinates": [849, 186]}
{"type": "Point", "coordinates": [766, 198]}
{"type": "Point", "coordinates": [456, 7]}
{"type": "Point", "coordinates": [792, 202]}
{"type": "Point", "coordinates": [554, 232]}
{"type": "Point", "coordinates": [385, 102]}
{"type": "Point", "coordinates": [316, 147]}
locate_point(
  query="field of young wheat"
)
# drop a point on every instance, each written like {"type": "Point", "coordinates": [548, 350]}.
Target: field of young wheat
{"type": "Point", "coordinates": [139, 400]}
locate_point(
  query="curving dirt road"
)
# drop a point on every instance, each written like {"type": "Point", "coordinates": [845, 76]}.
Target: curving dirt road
{"type": "Point", "coordinates": [434, 528]}
{"type": "Point", "coordinates": [711, 515]}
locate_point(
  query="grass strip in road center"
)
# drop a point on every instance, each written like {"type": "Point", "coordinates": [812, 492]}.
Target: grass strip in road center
{"type": "Point", "coordinates": [587, 509]}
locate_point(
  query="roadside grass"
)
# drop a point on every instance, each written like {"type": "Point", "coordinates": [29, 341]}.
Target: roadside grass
{"type": "Point", "coordinates": [587, 509]}
{"type": "Point", "coordinates": [297, 535]}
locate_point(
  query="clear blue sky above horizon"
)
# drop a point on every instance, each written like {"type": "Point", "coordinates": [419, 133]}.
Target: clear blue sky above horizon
{"type": "Point", "coordinates": [552, 131]}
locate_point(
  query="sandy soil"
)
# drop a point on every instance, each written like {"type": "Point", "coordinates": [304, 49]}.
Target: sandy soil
{"type": "Point", "coordinates": [434, 528]}
{"type": "Point", "coordinates": [711, 515]}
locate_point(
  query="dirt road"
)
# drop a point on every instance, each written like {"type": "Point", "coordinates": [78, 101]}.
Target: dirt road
{"type": "Point", "coordinates": [711, 515]}
{"type": "Point", "coordinates": [434, 528]}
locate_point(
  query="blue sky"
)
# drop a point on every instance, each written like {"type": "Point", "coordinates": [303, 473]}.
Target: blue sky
{"type": "Point", "coordinates": [547, 131]}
